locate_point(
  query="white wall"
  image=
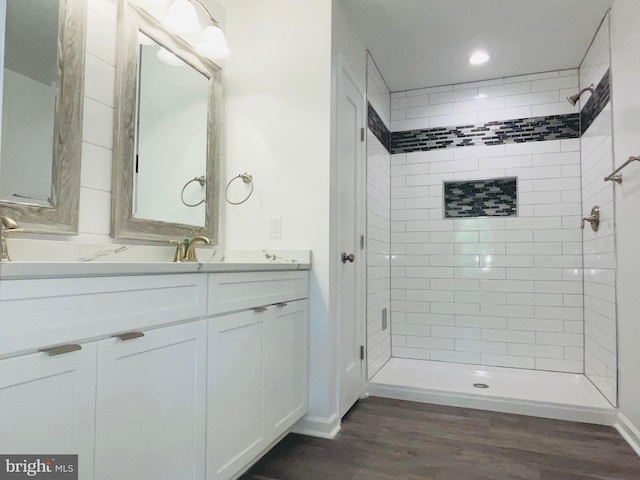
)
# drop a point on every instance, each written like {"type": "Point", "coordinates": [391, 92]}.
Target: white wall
{"type": "Point", "coordinates": [278, 98]}
{"type": "Point", "coordinates": [491, 291]}
{"type": "Point", "coordinates": [599, 247]}
{"type": "Point", "coordinates": [625, 70]}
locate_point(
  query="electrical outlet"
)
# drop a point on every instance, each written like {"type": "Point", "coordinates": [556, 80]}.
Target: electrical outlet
{"type": "Point", "coordinates": [384, 318]}
{"type": "Point", "coordinates": [275, 227]}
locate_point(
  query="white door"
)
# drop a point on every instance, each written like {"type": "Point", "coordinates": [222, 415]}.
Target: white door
{"type": "Point", "coordinates": [286, 366]}
{"type": "Point", "coordinates": [350, 258]}
{"type": "Point", "coordinates": [151, 399]}
{"type": "Point", "coordinates": [47, 405]}
{"type": "Point", "coordinates": [235, 412]}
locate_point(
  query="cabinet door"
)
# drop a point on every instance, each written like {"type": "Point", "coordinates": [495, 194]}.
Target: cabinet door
{"type": "Point", "coordinates": [286, 366]}
{"type": "Point", "coordinates": [47, 405]}
{"type": "Point", "coordinates": [151, 401]}
{"type": "Point", "coordinates": [235, 426]}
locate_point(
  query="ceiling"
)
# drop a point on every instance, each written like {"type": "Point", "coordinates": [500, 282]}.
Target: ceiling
{"type": "Point", "coordinates": [423, 43]}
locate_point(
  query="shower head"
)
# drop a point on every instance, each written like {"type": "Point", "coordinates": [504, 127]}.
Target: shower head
{"type": "Point", "coordinates": [573, 99]}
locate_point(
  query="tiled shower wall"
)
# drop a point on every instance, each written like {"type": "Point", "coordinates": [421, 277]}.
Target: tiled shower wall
{"type": "Point", "coordinates": [599, 247]}
{"type": "Point", "coordinates": [378, 221]}
{"type": "Point", "coordinates": [492, 291]}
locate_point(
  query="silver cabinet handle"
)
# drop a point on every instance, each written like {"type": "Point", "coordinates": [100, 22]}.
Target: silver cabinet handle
{"type": "Point", "coordinates": [281, 304]}
{"type": "Point", "coordinates": [259, 309]}
{"type": "Point", "coordinates": [129, 336]}
{"type": "Point", "coordinates": [60, 349]}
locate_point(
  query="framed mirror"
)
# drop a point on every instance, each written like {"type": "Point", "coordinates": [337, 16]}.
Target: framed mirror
{"type": "Point", "coordinates": [43, 54]}
{"type": "Point", "coordinates": [166, 182]}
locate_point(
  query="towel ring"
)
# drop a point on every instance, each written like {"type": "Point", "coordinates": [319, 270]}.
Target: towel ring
{"type": "Point", "coordinates": [201, 180]}
{"type": "Point", "coordinates": [246, 178]}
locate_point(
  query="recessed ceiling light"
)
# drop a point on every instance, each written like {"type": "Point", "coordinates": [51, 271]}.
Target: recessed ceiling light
{"type": "Point", "coordinates": [479, 57]}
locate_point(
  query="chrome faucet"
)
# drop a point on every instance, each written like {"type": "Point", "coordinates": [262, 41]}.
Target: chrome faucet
{"type": "Point", "coordinates": [6, 225]}
{"type": "Point", "coordinates": [186, 250]}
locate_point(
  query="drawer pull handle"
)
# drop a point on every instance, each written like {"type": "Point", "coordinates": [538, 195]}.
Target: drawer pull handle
{"type": "Point", "coordinates": [60, 349]}
{"type": "Point", "coordinates": [129, 336]}
{"type": "Point", "coordinates": [281, 304]}
{"type": "Point", "coordinates": [259, 309]}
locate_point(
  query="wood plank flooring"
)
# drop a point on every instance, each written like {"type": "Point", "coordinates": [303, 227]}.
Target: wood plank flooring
{"type": "Point", "coordinates": [393, 439]}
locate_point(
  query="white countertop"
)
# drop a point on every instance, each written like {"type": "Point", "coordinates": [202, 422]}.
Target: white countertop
{"type": "Point", "coordinates": [23, 270]}
{"type": "Point", "coordinates": [48, 259]}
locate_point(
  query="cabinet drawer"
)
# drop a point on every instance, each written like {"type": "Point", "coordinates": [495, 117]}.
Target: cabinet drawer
{"type": "Point", "coordinates": [230, 292]}
{"type": "Point", "coordinates": [40, 313]}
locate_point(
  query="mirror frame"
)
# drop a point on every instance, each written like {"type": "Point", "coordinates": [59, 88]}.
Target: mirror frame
{"type": "Point", "coordinates": [61, 215]}
{"type": "Point", "coordinates": [123, 223]}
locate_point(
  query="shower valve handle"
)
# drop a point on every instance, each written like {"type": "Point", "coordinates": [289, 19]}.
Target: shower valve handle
{"type": "Point", "coordinates": [593, 219]}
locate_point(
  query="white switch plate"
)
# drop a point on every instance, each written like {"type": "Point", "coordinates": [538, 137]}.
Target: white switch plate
{"type": "Point", "coordinates": [275, 227]}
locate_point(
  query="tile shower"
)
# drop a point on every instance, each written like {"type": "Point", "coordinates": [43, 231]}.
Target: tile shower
{"type": "Point", "coordinates": [503, 284]}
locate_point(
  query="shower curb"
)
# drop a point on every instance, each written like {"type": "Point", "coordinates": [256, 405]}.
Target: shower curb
{"type": "Point", "coordinates": [557, 411]}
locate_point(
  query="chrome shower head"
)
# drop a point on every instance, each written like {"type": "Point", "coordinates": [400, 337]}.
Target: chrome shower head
{"type": "Point", "coordinates": [573, 99]}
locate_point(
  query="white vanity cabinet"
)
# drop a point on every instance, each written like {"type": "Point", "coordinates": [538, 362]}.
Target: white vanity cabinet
{"type": "Point", "coordinates": [47, 405]}
{"type": "Point", "coordinates": [258, 366]}
{"type": "Point", "coordinates": [187, 376]}
{"type": "Point", "coordinates": [151, 396]}
{"type": "Point", "coordinates": [110, 389]}
{"type": "Point", "coordinates": [235, 426]}
{"type": "Point", "coordinates": [286, 366]}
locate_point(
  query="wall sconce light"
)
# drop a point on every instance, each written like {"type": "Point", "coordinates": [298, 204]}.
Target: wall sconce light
{"type": "Point", "coordinates": [182, 18]}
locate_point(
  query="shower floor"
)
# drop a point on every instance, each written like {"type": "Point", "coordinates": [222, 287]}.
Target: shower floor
{"type": "Point", "coordinates": [529, 392]}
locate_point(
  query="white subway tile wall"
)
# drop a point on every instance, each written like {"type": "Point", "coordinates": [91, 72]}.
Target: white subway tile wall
{"type": "Point", "coordinates": [97, 135]}
{"type": "Point", "coordinates": [470, 103]}
{"type": "Point", "coordinates": [491, 291]}
{"type": "Point", "coordinates": [378, 229]}
{"type": "Point", "coordinates": [600, 334]}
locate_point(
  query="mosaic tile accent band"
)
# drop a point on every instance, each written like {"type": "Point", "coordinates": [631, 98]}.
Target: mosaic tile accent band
{"type": "Point", "coordinates": [497, 197]}
{"type": "Point", "coordinates": [596, 103]}
{"type": "Point", "coordinates": [378, 128]}
{"type": "Point", "coordinates": [535, 129]}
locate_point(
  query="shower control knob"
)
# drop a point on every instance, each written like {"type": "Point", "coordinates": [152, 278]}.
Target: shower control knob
{"type": "Point", "coordinates": [348, 258]}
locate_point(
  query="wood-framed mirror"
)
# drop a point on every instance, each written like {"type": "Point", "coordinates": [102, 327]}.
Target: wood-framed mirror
{"type": "Point", "coordinates": [166, 178]}
{"type": "Point", "coordinates": [43, 57]}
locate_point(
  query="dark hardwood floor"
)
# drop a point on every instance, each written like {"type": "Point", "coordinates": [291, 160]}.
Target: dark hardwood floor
{"type": "Point", "coordinates": [392, 439]}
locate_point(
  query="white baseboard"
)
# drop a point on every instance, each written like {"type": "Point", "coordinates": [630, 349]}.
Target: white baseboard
{"type": "Point", "coordinates": [628, 431]}
{"type": "Point", "coordinates": [321, 427]}
{"type": "Point", "coordinates": [598, 416]}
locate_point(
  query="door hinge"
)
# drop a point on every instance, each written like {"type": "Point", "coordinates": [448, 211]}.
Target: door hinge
{"type": "Point", "coordinates": [361, 352]}
{"type": "Point", "coordinates": [362, 134]}
{"type": "Point", "coordinates": [361, 242]}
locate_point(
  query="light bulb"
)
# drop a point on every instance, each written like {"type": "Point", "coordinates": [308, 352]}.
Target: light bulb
{"type": "Point", "coordinates": [479, 57]}
{"type": "Point", "coordinates": [182, 18]}
{"type": "Point", "coordinates": [169, 58]}
{"type": "Point", "coordinates": [213, 44]}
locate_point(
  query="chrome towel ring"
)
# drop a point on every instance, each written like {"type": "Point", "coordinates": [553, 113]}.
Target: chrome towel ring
{"type": "Point", "coordinates": [201, 180]}
{"type": "Point", "coordinates": [247, 179]}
